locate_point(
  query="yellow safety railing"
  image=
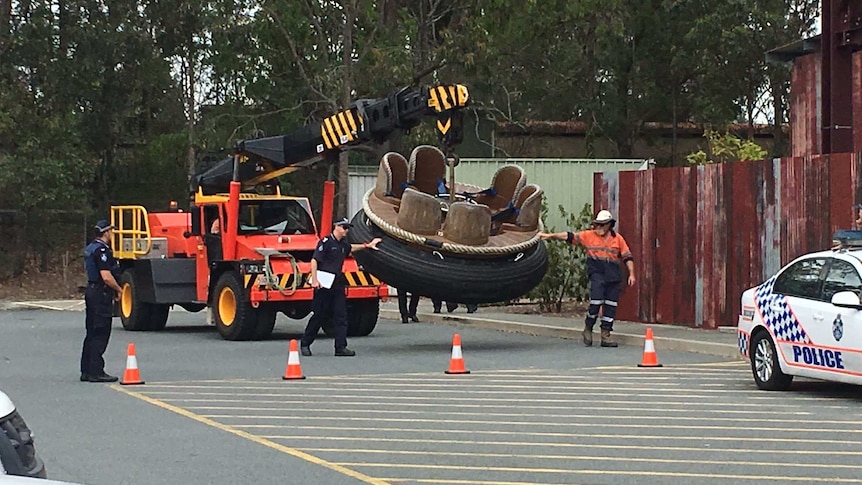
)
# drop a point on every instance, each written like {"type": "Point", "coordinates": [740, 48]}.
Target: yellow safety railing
{"type": "Point", "coordinates": [131, 231]}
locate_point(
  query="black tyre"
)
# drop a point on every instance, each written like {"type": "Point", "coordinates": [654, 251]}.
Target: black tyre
{"type": "Point", "coordinates": [362, 316]}
{"type": "Point", "coordinates": [234, 316]}
{"type": "Point", "coordinates": [764, 364]}
{"type": "Point", "coordinates": [430, 273]}
{"type": "Point", "coordinates": [159, 316]}
{"type": "Point", "coordinates": [265, 324]}
{"type": "Point", "coordinates": [134, 314]}
{"type": "Point", "coordinates": [9, 457]}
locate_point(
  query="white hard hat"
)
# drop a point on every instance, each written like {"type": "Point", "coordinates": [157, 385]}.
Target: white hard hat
{"type": "Point", "coordinates": [603, 217]}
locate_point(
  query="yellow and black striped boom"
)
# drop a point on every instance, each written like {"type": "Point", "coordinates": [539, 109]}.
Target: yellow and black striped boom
{"type": "Point", "coordinates": [364, 121]}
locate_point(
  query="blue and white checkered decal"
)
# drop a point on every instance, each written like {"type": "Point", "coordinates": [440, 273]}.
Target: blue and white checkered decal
{"type": "Point", "coordinates": [742, 339]}
{"type": "Point", "coordinates": [777, 315]}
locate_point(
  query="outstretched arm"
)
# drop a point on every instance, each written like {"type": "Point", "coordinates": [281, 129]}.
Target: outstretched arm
{"type": "Point", "coordinates": [568, 236]}
{"type": "Point", "coordinates": [369, 245]}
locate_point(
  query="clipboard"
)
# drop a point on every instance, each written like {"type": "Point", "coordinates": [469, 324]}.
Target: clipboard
{"type": "Point", "coordinates": [325, 279]}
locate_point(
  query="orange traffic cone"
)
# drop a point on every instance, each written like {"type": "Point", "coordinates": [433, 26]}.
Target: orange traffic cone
{"type": "Point", "coordinates": [132, 375]}
{"type": "Point", "coordinates": [456, 363]}
{"type": "Point", "coordinates": [650, 359]}
{"type": "Point", "coordinates": [294, 370]}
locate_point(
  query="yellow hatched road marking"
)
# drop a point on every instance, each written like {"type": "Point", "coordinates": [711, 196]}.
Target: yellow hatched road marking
{"type": "Point", "coordinates": [257, 439]}
{"type": "Point", "coordinates": [604, 472]}
{"type": "Point", "coordinates": [626, 459]}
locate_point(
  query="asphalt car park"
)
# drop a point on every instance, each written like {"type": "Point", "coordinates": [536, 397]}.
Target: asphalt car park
{"type": "Point", "coordinates": [533, 410]}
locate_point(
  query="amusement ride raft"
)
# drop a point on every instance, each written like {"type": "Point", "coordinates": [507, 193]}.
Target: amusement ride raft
{"type": "Point", "coordinates": [447, 240]}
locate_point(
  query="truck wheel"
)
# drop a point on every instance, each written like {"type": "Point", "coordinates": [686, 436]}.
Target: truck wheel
{"type": "Point", "coordinates": [265, 324]}
{"type": "Point", "coordinates": [159, 316]}
{"type": "Point", "coordinates": [234, 316]}
{"type": "Point", "coordinates": [134, 314]}
{"type": "Point", "coordinates": [362, 316]}
{"type": "Point", "coordinates": [764, 364]}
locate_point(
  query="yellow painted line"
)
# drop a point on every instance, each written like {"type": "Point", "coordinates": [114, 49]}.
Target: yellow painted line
{"type": "Point", "coordinates": [595, 421]}
{"type": "Point", "coordinates": [257, 439]}
{"type": "Point", "coordinates": [466, 482]}
{"type": "Point", "coordinates": [603, 472]}
{"type": "Point", "coordinates": [625, 459]}
{"type": "Point", "coordinates": [554, 434]}
{"type": "Point", "coordinates": [686, 407]}
{"type": "Point", "coordinates": [688, 449]}
{"type": "Point", "coordinates": [585, 399]}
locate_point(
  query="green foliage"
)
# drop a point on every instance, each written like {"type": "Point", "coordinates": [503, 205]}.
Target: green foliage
{"type": "Point", "coordinates": [725, 148]}
{"type": "Point", "coordinates": [566, 277]}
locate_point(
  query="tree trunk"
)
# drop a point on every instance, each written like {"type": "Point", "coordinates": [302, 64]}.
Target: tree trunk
{"type": "Point", "coordinates": [191, 104]}
{"type": "Point", "coordinates": [779, 147]}
{"type": "Point", "coordinates": [343, 195]}
{"type": "Point", "coordinates": [5, 23]}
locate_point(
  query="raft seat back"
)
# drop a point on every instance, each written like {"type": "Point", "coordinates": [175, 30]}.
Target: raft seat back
{"type": "Point", "coordinates": [391, 176]}
{"type": "Point", "coordinates": [419, 213]}
{"type": "Point", "coordinates": [529, 206]}
{"type": "Point", "coordinates": [468, 223]}
{"type": "Point", "coordinates": [427, 170]}
{"type": "Point", "coordinates": [508, 180]}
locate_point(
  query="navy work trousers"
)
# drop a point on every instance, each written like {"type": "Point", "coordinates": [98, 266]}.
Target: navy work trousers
{"type": "Point", "coordinates": [328, 303]}
{"type": "Point", "coordinates": [99, 314]}
{"type": "Point", "coordinates": [604, 296]}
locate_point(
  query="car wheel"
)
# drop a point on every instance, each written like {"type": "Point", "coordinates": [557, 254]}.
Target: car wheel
{"type": "Point", "coordinates": [764, 364]}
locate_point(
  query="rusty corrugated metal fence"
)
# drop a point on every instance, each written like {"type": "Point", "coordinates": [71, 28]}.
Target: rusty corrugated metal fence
{"type": "Point", "coordinates": [703, 234]}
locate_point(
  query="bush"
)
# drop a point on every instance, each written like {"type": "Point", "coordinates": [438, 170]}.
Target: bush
{"type": "Point", "coordinates": [566, 277]}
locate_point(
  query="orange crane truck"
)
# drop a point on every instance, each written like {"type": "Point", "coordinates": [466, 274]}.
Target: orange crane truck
{"type": "Point", "coordinates": [243, 249]}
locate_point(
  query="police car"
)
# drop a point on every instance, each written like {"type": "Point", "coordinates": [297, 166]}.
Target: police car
{"type": "Point", "coordinates": [17, 452]}
{"type": "Point", "coordinates": [807, 319]}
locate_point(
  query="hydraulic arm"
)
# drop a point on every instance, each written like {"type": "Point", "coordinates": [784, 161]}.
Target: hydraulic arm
{"type": "Point", "coordinates": [364, 121]}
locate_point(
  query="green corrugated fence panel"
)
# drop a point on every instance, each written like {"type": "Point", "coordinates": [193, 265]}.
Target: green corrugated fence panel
{"type": "Point", "coordinates": [566, 182]}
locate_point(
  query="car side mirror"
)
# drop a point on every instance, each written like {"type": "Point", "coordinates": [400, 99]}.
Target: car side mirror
{"type": "Point", "coordinates": [847, 299]}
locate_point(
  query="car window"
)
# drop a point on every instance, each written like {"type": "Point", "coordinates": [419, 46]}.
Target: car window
{"type": "Point", "coordinates": [842, 276]}
{"type": "Point", "coordinates": [802, 279]}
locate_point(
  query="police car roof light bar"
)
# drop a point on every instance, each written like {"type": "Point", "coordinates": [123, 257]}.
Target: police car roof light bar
{"type": "Point", "coordinates": [844, 238]}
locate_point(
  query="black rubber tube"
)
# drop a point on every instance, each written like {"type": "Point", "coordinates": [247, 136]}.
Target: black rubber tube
{"type": "Point", "coordinates": [432, 273]}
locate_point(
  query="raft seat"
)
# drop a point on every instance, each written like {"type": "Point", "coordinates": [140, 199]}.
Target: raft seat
{"type": "Point", "coordinates": [426, 170]}
{"type": "Point", "coordinates": [391, 178]}
{"type": "Point", "coordinates": [419, 213]}
{"type": "Point", "coordinates": [524, 216]}
{"type": "Point", "coordinates": [508, 180]}
{"type": "Point", "coordinates": [468, 223]}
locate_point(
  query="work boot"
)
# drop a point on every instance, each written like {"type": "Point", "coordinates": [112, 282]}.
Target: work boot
{"type": "Point", "coordinates": [345, 352]}
{"type": "Point", "coordinates": [103, 378]}
{"type": "Point", "coordinates": [606, 339]}
{"type": "Point", "coordinates": [587, 333]}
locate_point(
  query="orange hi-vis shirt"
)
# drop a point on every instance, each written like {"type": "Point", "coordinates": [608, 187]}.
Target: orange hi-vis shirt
{"type": "Point", "coordinates": [604, 254]}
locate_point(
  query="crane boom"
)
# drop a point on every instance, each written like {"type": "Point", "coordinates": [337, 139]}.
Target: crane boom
{"type": "Point", "coordinates": [365, 121]}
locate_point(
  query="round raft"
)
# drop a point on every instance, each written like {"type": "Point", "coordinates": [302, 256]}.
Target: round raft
{"type": "Point", "coordinates": [480, 246]}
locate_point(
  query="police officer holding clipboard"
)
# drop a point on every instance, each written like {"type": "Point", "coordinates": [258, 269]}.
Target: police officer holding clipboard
{"type": "Point", "coordinates": [102, 290]}
{"type": "Point", "coordinates": [328, 282]}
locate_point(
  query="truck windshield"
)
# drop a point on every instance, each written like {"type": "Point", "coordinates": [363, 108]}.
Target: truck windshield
{"type": "Point", "coordinates": [274, 217]}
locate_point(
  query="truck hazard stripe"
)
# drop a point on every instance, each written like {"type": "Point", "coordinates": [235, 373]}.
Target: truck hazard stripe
{"type": "Point", "coordinates": [354, 278]}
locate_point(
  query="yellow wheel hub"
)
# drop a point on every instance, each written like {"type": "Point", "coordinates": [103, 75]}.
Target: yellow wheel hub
{"type": "Point", "coordinates": [126, 300]}
{"type": "Point", "coordinates": [227, 306]}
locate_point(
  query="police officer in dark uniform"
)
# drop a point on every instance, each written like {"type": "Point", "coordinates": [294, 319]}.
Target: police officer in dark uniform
{"type": "Point", "coordinates": [329, 297]}
{"type": "Point", "coordinates": [102, 289]}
